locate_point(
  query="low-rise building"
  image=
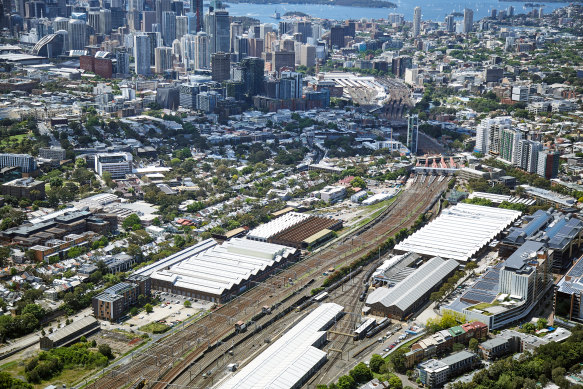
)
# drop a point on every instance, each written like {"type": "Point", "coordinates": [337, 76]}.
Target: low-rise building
{"type": "Point", "coordinates": [70, 333]}
{"type": "Point", "coordinates": [332, 194]}
{"type": "Point", "coordinates": [435, 373]}
{"type": "Point", "coordinates": [499, 346]}
{"type": "Point", "coordinates": [24, 188]}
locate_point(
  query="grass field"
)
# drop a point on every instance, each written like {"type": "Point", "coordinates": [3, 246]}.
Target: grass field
{"type": "Point", "coordinates": [155, 328]}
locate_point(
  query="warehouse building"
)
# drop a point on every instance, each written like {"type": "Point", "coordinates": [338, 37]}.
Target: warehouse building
{"type": "Point", "coordinates": [70, 334]}
{"type": "Point", "coordinates": [413, 292]}
{"type": "Point", "coordinates": [291, 360]}
{"type": "Point", "coordinates": [296, 230]}
{"type": "Point", "coordinates": [223, 271]}
{"type": "Point", "coordinates": [460, 232]}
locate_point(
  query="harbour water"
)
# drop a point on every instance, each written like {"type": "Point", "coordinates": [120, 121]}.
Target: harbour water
{"type": "Point", "coordinates": [434, 10]}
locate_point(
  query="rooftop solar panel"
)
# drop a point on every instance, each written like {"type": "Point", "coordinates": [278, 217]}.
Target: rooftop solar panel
{"type": "Point", "coordinates": [577, 269]}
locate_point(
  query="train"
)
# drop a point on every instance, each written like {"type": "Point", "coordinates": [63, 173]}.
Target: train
{"type": "Point", "coordinates": [381, 325]}
{"type": "Point", "coordinates": [370, 328]}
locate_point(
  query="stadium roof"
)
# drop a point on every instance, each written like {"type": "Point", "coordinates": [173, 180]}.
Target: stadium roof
{"type": "Point", "coordinates": [417, 284]}
{"type": "Point", "coordinates": [460, 232]}
{"type": "Point", "coordinates": [291, 358]}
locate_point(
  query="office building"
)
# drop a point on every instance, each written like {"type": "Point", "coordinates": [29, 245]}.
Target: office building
{"type": "Point", "coordinates": [337, 36]}
{"type": "Point", "coordinates": [282, 59]}
{"type": "Point", "coordinates": [217, 25]}
{"type": "Point", "coordinates": [221, 66]}
{"type": "Point", "coordinates": [142, 54]}
{"type": "Point", "coordinates": [196, 7]}
{"type": "Point", "coordinates": [400, 64]}
{"type": "Point", "coordinates": [417, 22]}
{"type": "Point", "coordinates": [412, 133]}
{"type": "Point", "coordinates": [52, 153]}
{"type": "Point", "coordinates": [308, 55]}
{"type": "Point", "coordinates": [25, 162]}
{"type": "Point", "coordinates": [77, 33]}
{"type": "Point", "coordinates": [116, 164]}
{"type": "Point", "coordinates": [450, 23]}
{"type": "Point", "coordinates": [201, 51]}
{"type": "Point", "coordinates": [163, 61]}
{"type": "Point", "coordinates": [235, 30]}
{"type": "Point", "coordinates": [181, 26]}
{"type": "Point", "coordinates": [468, 21]}
{"type": "Point", "coordinates": [168, 27]}
{"type": "Point", "coordinates": [253, 70]}
{"type": "Point", "coordinates": [24, 188]}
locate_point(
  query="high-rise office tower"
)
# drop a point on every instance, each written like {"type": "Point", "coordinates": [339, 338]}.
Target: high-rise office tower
{"type": "Point", "coordinates": [236, 29]}
{"type": "Point", "coordinates": [177, 7]}
{"type": "Point", "coordinates": [181, 26]}
{"type": "Point", "coordinates": [93, 21]}
{"type": "Point", "coordinates": [308, 55]}
{"type": "Point", "coordinates": [122, 63]}
{"type": "Point", "coordinates": [417, 21]}
{"type": "Point", "coordinates": [468, 20]}
{"type": "Point", "coordinates": [162, 6]}
{"type": "Point", "coordinates": [196, 7]}
{"type": "Point", "coordinates": [253, 75]}
{"type": "Point", "coordinates": [142, 54]}
{"type": "Point", "coordinates": [163, 59]}
{"type": "Point", "coordinates": [511, 11]}
{"type": "Point", "coordinates": [217, 26]}
{"type": "Point", "coordinates": [337, 36]}
{"type": "Point", "coordinates": [201, 51]}
{"type": "Point", "coordinates": [412, 133]}
{"type": "Point", "coordinates": [136, 5]}
{"type": "Point", "coordinates": [450, 23]}
{"type": "Point", "coordinates": [188, 48]}
{"type": "Point", "coordinates": [77, 34]}
{"type": "Point", "coordinates": [221, 66]}
{"type": "Point", "coordinates": [148, 18]}
{"type": "Point", "coordinates": [105, 20]}
{"type": "Point", "coordinates": [168, 27]}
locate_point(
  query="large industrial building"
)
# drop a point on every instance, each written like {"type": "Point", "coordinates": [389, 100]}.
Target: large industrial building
{"type": "Point", "coordinates": [296, 230]}
{"type": "Point", "coordinates": [291, 360]}
{"type": "Point", "coordinates": [460, 232]}
{"type": "Point", "coordinates": [569, 293]}
{"type": "Point", "coordinates": [223, 271]}
{"type": "Point", "coordinates": [509, 291]}
{"type": "Point", "coordinates": [70, 333]}
{"type": "Point", "coordinates": [560, 232]}
{"type": "Point", "coordinates": [407, 296]}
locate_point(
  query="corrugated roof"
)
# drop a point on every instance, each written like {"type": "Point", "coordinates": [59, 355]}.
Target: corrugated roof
{"type": "Point", "coordinates": [412, 288]}
{"type": "Point", "coordinates": [283, 364]}
{"type": "Point", "coordinates": [77, 325]}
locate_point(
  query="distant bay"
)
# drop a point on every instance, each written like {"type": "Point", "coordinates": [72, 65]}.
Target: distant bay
{"type": "Point", "coordinates": [435, 10]}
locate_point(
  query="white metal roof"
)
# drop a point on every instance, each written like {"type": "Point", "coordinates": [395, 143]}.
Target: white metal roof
{"type": "Point", "coordinates": [283, 364]}
{"type": "Point", "coordinates": [412, 288]}
{"type": "Point", "coordinates": [460, 231]}
{"type": "Point", "coordinates": [267, 230]}
{"type": "Point", "coordinates": [216, 269]}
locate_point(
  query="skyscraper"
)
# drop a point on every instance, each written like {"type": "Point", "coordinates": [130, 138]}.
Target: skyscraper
{"type": "Point", "coordinates": [161, 6]}
{"type": "Point", "coordinates": [196, 7]}
{"type": "Point", "coordinates": [337, 36]}
{"type": "Point", "coordinates": [181, 26]}
{"type": "Point", "coordinates": [468, 20]}
{"type": "Point", "coordinates": [236, 29]}
{"type": "Point", "coordinates": [412, 133]}
{"type": "Point", "coordinates": [449, 23]}
{"type": "Point", "coordinates": [105, 20]}
{"type": "Point", "coordinates": [201, 51]}
{"type": "Point", "coordinates": [77, 34]}
{"type": "Point", "coordinates": [217, 26]}
{"type": "Point", "coordinates": [417, 21]}
{"type": "Point", "coordinates": [221, 66]}
{"type": "Point", "coordinates": [163, 59]}
{"type": "Point", "coordinates": [253, 75]}
{"type": "Point", "coordinates": [142, 54]}
{"type": "Point", "coordinates": [168, 27]}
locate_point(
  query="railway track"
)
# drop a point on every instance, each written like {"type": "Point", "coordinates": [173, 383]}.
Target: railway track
{"type": "Point", "coordinates": [166, 360]}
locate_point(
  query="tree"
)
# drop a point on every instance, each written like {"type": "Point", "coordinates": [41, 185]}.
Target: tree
{"type": "Point", "coordinates": [179, 241]}
{"type": "Point", "coordinates": [35, 309]}
{"type": "Point", "coordinates": [148, 308]}
{"type": "Point", "coordinates": [541, 323]}
{"type": "Point", "coordinates": [376, 361]}
{"type": "Point", "coordinates": [187, 304]}
{"type": "Point", "coordinates": [346, 382]}
{"type": "Point", "coordinates": [395, 382]}
{"type": "Point", "coordinates": [361, 373]}
{"type": "Point", "coordinates": [398, 361]}
{"type": "Point", "coordinates": [458, 347]}
{"type": "Point", "coordinates": [131, 221]}
{"type": "Point", "coordinates": [529, 328]}
{"type": "Point", "coordinates": [473, 344]}
{"type": "Point", "coordinates": [105, 350]}
{"type": "Point", "coordinates": [358, 182]}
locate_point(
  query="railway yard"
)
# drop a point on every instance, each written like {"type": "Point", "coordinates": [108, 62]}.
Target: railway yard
{"type": "Point", "coordinates": [196, 355]}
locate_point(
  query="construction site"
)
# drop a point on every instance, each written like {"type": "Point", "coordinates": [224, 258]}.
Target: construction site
{"type": "Point", "coordinates": [197, 354]}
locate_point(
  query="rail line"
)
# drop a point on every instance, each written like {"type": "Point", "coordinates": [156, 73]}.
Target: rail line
{"type": "Point", "coordinates": [167, 359]}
